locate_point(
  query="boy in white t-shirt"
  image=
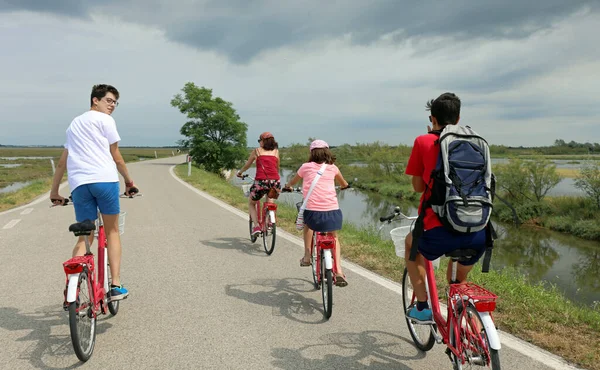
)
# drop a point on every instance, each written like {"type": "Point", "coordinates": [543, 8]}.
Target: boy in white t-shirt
{"type": "Point", "coordinates": [92, 159]}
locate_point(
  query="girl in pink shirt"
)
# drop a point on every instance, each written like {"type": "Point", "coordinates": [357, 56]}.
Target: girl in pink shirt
{"type": "Point", "coordinates": [322, 212]}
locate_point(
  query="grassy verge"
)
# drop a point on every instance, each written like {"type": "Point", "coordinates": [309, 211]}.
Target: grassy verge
{"type": "Point", "coordinates": [38, 172]}
{"type": "Point", "coordinates": [534, 313]}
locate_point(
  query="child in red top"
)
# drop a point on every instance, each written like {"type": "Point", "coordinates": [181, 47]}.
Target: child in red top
{"type": "Point", "coordinates": [436, 239]}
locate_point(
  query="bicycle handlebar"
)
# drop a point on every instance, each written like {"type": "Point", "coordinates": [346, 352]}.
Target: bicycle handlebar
{"type": "Point", "coordinates": [396, 213]}
{"type": "Point", "coordinates": [133, 191]}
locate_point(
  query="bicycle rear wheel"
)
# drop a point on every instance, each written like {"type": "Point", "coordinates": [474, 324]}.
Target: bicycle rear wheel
{"type": "Point", "coordinates": [113, 306]}
{"type": "Point", "coordinates": [475, 344]}
{"type": "Point", "coordinates": [314, 259]}
{"type": "Point", "coordinates": [82, 319]}
{"type": "Point", "coordinates": [421, 334]}
{"type": "Point", "coordinates": [326, 288]}
{"type": "Point", "coordinates": [269, 233]}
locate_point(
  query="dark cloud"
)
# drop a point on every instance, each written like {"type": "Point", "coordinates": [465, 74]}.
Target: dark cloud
{"type": "Point", "coordinates": [242, 29]}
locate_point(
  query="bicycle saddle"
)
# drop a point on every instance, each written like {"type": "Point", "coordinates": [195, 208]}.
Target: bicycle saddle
{"type": "Point", "coordinates": [83, 228]}
{"type": "Point", "coordinates": [461, 254]}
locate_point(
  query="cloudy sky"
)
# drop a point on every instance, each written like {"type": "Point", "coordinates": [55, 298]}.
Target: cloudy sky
{"type": "Point", "coordinates": [528, 72]}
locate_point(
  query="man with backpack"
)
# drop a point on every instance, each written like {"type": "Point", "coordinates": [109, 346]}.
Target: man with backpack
{"type": "Point", "coordinates": [451, 166]}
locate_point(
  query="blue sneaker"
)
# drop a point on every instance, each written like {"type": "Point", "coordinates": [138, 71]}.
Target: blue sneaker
{"type": "Point", "coordinates": [118, 292]}
{"type": "Point", "coordinates": [420, 317]}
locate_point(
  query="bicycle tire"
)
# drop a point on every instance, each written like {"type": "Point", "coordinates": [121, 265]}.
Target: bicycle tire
{"type": "Point", "coordinates": [83, 336]}
{"type": "Point", "coordinates": [252, 236]}
{"type": "Point", "coordinates": [482, 359]}
{"type": "Point", "coordinates": [326, 289]}
{"type": "Point", "coordinates": [269, 232]}
{"type": "Point", "coordinates": [314, 260]}
{"type": "Point", "coordinates": [113, 306]}
{"type": "Point", "coordinates": [424, 342]}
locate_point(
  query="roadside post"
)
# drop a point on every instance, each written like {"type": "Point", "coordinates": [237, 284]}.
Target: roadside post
{"type": "Point", "coordinates": [189, 161]}
{"type": "Point", "coordinates": [53, 167]}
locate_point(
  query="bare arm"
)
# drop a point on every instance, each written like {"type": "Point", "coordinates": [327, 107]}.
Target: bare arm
{"type": "Point", "coordinates": [293, 181]}
{"type": "Point", "coordinates": [248, 163]}
{"type": "Point", "coordinates": [58, 175]}
{"type": "Point", "coordinates": [418, 184]}
{"type": "Point", "coordinates": [120, 162]}
{"type": "Point", "coordinates": [340, 179]}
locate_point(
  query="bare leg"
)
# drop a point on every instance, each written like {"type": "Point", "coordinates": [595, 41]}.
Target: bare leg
{"type": "Point", "coordinates": [416, 270]}
{"type": "Point", "coordinates": [79, 249]}
{"type": "Point", "coordinates": [111, 227]}
{"type": "Point", "coordinates": [338, 254]}
{"type": "Point", "coordinates": [252, 211]}
{"type": "Point", "coordinates": [308, 236]}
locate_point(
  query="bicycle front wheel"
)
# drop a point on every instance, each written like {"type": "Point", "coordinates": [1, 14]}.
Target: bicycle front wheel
{"type": "Point", "coordinates": [422, 335]}
{"type": "Point", "coordinates": [269, 233]}
{"type": "Point", "coordinates": [326, 288]}
{"type": "Point", "coordinates": [82, 319]}
{"type": "Point", "coordinates": [474, 342]}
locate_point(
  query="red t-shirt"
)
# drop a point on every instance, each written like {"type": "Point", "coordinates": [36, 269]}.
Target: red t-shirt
{"type": "Point", "coordinates": [423, 159]}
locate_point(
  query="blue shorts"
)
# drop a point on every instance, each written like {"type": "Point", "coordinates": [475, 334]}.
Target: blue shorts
{"type": "Point", "coordinates": [438, 241]}
{"type": "Point", "coordinates": [323, 221]}
{"type": "Point", "coordinates": [88, 198]}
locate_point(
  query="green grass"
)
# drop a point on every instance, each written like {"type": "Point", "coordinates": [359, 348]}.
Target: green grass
{"type": "Point", "coordinates": [24, 195]}
{"type": "Point", "coordinates": [534, 312]}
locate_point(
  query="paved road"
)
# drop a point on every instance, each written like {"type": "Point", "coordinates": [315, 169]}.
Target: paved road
{"type": "Point", "coordinates": [202, 296]}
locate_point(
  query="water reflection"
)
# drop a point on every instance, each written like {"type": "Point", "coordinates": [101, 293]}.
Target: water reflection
{"type": "Point", "coordinates": [570, 263]}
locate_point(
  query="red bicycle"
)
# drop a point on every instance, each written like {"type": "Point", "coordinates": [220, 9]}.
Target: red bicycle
{"type": "Point", "coordinates": [468, 331]}
{"type": "Point", "coordinates": [266, 220]}
{"type": "Point", "coordinates": [323, 262]}
{"type": "Point", "coordinates": [87, 294]}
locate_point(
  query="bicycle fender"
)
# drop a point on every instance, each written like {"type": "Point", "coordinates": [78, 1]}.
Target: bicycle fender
{"type": "Point", "coordinates": [328, 259]}
{"type": "Point", "coordinates": [72, 289]}
{"type": "Point", "coordinates": [490, 329]}
{"type": "Point", "coordinates": [272, 216]}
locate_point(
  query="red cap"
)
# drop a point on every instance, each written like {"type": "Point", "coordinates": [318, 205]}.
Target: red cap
{"type": "Point", "coordinates": [266, 135]}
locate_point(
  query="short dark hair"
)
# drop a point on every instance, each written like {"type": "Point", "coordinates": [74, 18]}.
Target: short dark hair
{"type": "Point", "coordinates": [270, 143]}
{"type": "Point", "coordinates": [100, 91]}
{"type": "Point", "coordinates": [321, 155]}
{"type": "Point", "coordinates": [446, 109]}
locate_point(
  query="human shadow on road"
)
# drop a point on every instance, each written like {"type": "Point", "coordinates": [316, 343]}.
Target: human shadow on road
{"type": "Point", "coordinates": [373, 350]}
{"type": "Point", "coordinates": [284, 295]}
{"type": "Point", "coordinates": [242, 245]}
{"type": "Point", "coordinates": [47, 350]}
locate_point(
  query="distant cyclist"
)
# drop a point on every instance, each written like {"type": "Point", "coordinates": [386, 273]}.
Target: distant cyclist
{"type": "Point", "coordinates": [93, 163]}
{"type": "Point", "coordinates": [267, 174]}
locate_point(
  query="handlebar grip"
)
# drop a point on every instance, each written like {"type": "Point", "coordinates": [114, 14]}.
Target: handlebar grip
{"type": "Point", "coordinates": [387, 218]}
{"type": "Point", "coordinates": [132, 191]}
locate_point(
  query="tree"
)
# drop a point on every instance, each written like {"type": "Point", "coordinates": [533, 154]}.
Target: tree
{"type": "Point", "coordinates": [542, 177]}
{"type": "Point", "coordinates": [527, 179]}
{"type": "Point", "coordinates": [589, 181]}
{"type": "Point", "coordinates": [214, 134]}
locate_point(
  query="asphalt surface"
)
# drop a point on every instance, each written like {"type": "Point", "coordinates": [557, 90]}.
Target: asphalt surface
{"type": "Point", "coordinates": [202, 296]}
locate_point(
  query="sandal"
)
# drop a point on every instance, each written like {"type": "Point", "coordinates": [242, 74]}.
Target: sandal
{"type": "Point", "coordinates": [340, 280]}
{"type": "Point", "coordinates": [303, 263]}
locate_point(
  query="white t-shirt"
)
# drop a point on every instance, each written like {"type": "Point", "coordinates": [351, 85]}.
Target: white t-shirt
{"type": "Point", "coordinates": [89, 137]}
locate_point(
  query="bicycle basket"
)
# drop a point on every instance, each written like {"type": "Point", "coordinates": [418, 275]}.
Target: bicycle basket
{"type": "Point", "coordinates": [399, 235]}
{"type": "Point", "coordinates": [246, 189]}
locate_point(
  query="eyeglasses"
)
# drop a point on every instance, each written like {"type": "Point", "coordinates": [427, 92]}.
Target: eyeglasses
{"type": "Point", "coordinates": [259, 140]}
{"type": "Point", "coordinates": [430, 119]}
{"type": "Point", "coordinates": [111, 101]}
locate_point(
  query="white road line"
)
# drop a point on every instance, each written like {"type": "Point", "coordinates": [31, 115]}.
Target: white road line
{"type": "Point", "coordinates": [11, 224]}
{"type": "Point", "coordinates": [519, 345]}
{"type": "Point", "coordinates": [27, 211]}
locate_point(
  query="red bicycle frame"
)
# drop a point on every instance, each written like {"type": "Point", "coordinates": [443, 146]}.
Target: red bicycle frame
{"type": "Point", "coordinates": [75, 265]}
{"type": "Point", "coordinates": [261, 216]}
{"type": "Point", "coordinates": [482, 298]}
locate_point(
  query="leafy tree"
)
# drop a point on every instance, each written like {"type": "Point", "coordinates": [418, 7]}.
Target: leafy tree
{"type": "Point", "coordinates": [589, 181]}
{"type": "Point", "coordinates": [214, 134]}
{"type": "Point", "coordinates": [542, 177]}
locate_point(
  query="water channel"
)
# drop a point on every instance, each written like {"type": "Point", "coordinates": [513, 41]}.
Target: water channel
{"type": "Point", "coordinates": [570, 263]}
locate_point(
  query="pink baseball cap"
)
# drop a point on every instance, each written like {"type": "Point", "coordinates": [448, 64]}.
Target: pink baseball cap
{"type": "Point", "coordinates": [266, 135]}
{"type": "Point", "coordinates": [318, 144]}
